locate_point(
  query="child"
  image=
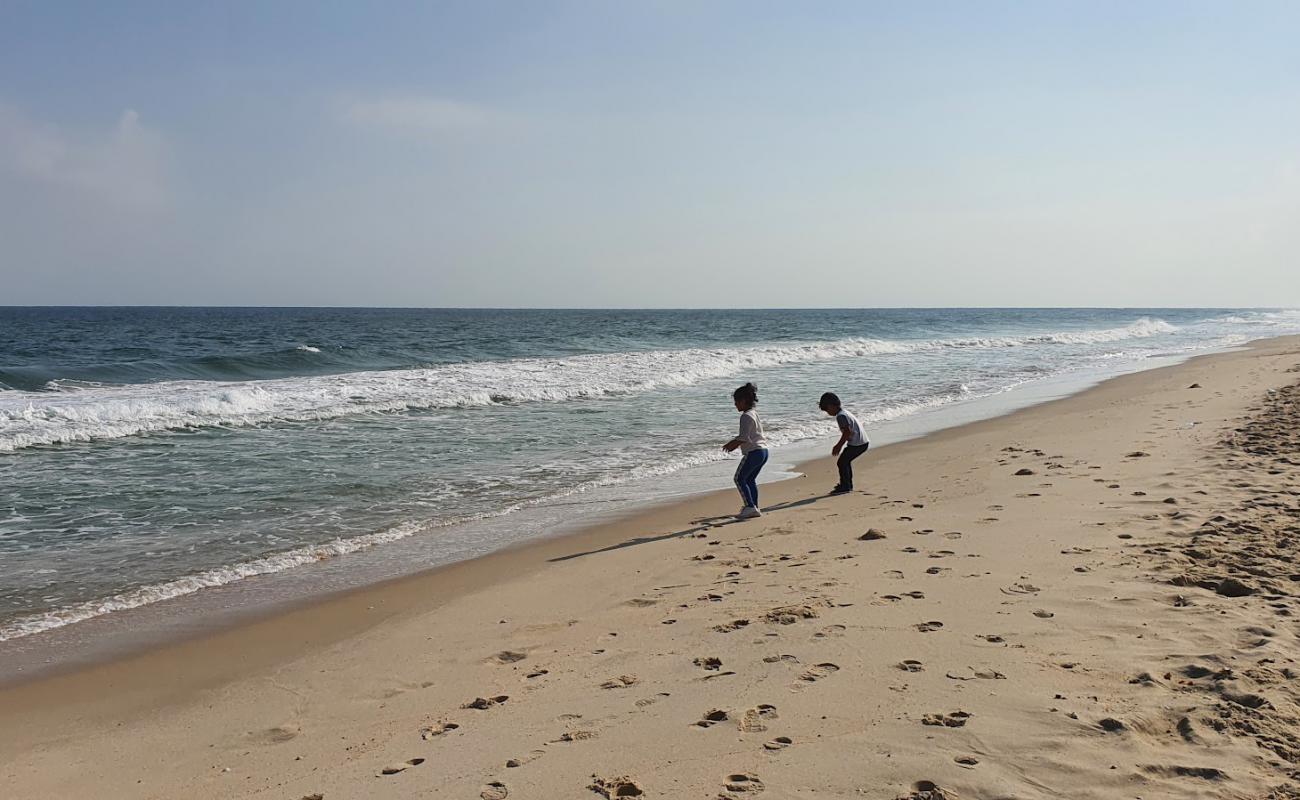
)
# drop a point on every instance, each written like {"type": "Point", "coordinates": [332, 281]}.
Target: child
{"type": "Point", "coordinates": [753, 448]}
{"type": "Point", "coordinates": [853, 441]}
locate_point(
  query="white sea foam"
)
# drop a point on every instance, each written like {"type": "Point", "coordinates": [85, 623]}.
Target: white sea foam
{"type": "Point", "coordinates": [219, 576]}
{"type": "Point", "coordinates": [89, 413]}
{"type": "Point", "coordinates": [1282, 317]}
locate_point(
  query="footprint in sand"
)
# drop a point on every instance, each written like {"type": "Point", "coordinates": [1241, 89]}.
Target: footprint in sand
{"type": "Point", "coordinates": [728, 627]}
{"type": "Point", "coordinates": [779, 743]}
{"type": "Point", "coordinates": [936, 570]}
{"type": "Point", "coordinates": [991, 637]}
{"type": "Point", "coordinates": [816, 673]}
{"type": "Point", "coordinates": [649, 701]}
{"type": "Point", "coordinates": [433, 731]}
{"type": "Point", "coordinates": [952, 535]}
{"type": "Point", "coordinates": [743, 782]}
{"type": "Point", "coordinates": [830, 630]}
{"type": "Point", "coordinates": [968, 762]}
{"type": "Point", "coordinates": [711, 718]}
{"type": "Point", "coordinates": [1043, 614]}
{"type": "Point", "coordinates": [496, 790]}
{"type": "Point", "coordinates": [1020, 588]}
{"type": "Point", "coordinates": [709, 662]}
{"type": "Point", "coordinates": [970, 674]}
{"type": "Point", "coordinates": [928, 790]}
{"type": "Point", "coordinates": [610, 788]}
{"type": "Point", "coordinates": [927, 627]}
{"type": "Point", "coordinates": [509, 657]}
{"type": "Point", "coordinates": [954, 719]}
{"type": "Point", "coordinates": [788, 615]}
{"type": "Point", "coordinates": [911, 665]}
{"type": "Point", "coordinates": [789, 659]}
{"type": "Point", "coordinates": [1178, 771]}
{"type": "Point", "coordinates": [393, 769]}
{"type": "Point", "coordinates": [621, 682]}
{"type": "Point", "coordinates": [755, 719]}
{"type": "Point", "coordinates": [528, 759]}
{"type": "Point", "coordinates": [484, 703]}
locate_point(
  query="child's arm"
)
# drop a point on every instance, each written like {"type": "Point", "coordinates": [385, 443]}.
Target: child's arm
{"type": "Point", "coordinates": [733, 444]}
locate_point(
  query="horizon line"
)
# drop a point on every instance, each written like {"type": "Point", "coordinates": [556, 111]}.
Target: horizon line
{"type": "Point", "coordinates": [650, 308]}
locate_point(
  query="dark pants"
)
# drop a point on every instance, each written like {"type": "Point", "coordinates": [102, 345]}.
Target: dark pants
{"type": "Point", "coordinates": [747, 475]}
{"type": "Point", "coordinates": [845, 463]}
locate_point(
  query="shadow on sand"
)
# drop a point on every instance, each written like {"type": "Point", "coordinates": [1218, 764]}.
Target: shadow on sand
{"type": "Point", "coordinates": [699, 525]}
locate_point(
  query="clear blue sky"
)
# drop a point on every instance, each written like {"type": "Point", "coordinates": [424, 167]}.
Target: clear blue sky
{"type": "Point", "coordinates": [650, 154]}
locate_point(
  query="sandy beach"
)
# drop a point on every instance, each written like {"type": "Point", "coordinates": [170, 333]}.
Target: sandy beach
{"type": "Point", "coordinates": [1090, 598]}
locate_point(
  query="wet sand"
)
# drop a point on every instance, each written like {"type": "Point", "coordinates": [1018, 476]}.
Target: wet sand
{"type": "Point", "coordinates": [1091, 598]}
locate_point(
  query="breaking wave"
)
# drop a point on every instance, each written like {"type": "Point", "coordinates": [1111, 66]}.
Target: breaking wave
{"type": "Point", "coordinates": [82, 412]}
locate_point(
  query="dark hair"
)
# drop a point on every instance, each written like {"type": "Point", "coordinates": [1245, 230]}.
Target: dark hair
{"type": "Point", "coordinates": [829, 399]}
{"type": "Point", "coordinates": [746, 394]}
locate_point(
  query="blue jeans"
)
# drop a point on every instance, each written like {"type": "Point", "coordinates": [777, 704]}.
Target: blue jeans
{"type": "Point", "coordinates": [747, 475]}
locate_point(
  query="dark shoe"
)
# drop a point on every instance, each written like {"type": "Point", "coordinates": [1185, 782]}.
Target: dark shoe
{"type": "Point", "coordinates": [841, 490]}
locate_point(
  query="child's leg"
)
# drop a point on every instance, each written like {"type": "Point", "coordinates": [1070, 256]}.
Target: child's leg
{"type": "Point", "coordinates": [846, 472]}
{"type": "Point", "coordinates": [747, 476]}
{"type": "Point", "coordinates": [742, 480]}
{"type": "Point", "coordinates": [760, 460]}
{"type": "Point", "coordinates": [845, 463]}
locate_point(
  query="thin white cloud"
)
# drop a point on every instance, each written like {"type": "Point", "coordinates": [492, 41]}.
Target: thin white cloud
{"type": "Point", "coordinates": [125, 166]}
{"type": "Point", "coordinates": [412, 114]}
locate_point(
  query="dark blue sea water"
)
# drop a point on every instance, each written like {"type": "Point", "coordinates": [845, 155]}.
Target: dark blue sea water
{"type": "Point", "coordinates": [150, 453]}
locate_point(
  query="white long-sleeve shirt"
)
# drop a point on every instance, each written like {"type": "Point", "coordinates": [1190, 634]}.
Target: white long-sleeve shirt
{"type": "Point", "coordinates": [751, 432]}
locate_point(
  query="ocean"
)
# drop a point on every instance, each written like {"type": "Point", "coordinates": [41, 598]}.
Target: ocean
{"type": "Point", "coordinates": [148, 454]}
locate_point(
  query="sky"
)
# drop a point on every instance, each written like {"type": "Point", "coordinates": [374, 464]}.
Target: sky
{"type": "Point", "coordinates": [650, 154]}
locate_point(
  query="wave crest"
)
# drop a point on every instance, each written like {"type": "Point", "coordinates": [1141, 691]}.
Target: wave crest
{"type": "Point", "coordinates": [87, 412]}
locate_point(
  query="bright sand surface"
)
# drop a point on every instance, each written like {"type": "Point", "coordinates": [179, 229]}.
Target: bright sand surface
{"type": "Point", "coordinates": [1116, 622]}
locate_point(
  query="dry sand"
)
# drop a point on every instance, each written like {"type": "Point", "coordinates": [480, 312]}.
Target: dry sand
{"type": "Point", "coordinates": [1092, 598]}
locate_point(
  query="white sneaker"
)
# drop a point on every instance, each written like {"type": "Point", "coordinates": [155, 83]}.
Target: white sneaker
{"type": "Point", "coordinates": [749, 512]}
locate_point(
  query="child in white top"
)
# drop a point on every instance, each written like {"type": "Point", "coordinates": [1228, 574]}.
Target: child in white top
{"type": "Point", "coordinates": [753, 447]}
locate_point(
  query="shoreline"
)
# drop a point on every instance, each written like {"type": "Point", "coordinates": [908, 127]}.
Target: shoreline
{"type": "Point", "coordinates": [168, 634]}
{"type": "Point", "coordinates": [378, 635]}
{"type": "Point", "coordinates": [335, 616]}
{"type": "Point", "coordinates": [180, 620]}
